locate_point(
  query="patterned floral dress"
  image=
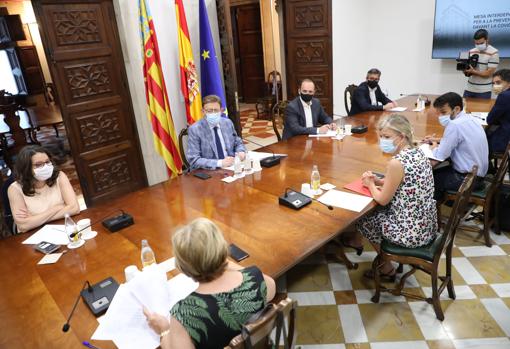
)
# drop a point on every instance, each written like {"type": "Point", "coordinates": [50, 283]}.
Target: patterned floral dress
{"type": "Point", "coordinates": [410, 218]}
{"type": "Point", "coordinates": [212, 320]}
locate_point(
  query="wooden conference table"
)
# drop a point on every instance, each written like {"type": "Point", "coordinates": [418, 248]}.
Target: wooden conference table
{"type": "Point", "coordinates": [35, 300]}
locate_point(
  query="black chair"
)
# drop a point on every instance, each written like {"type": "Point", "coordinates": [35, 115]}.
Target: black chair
{"type": "Point", "coordinates": [8, 218]}
{"type": "Point", "coordinates": [182, 134]}
{"type": "Point", "coordinates": [427, 258]}
{"type": "Point", "coordinates": [348, 95]}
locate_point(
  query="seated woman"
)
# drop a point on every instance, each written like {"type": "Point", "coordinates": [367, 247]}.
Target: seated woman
{"type": "Point", "coordinates": [41, 193]}
{"type": "Point", "coordinates": [226, 297]}
{"type": "Point", "coordinates": [407, 215]}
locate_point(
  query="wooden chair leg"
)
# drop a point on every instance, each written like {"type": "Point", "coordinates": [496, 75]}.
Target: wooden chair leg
{"type": "Point", "coordinates": [497, 229]}
{"type": "Point", "coordinates": [449, 285]}
{"type": "Point", "coordinates": [377, 279]}
{"type": "Point", "coordinates": [487, 228]}
{"type": "Point", "coordinates": [435, 296]}
{"type": "Point", "coordinates": [342, 257]}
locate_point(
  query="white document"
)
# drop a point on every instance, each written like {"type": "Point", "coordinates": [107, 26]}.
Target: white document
{"type": "Point", "coordinates": [419, 109]}
{"type": "Point", "coordinates": [229, 179]}
{"type": "Point", "coordinates": [428, 152]}
{"type": "Point", "coordinates": [327, 186]}
{"type": "Point", "coordinates": [398, 109]}
{"type": "Point", "coordinates": [50, 258]}
{"type": "Point", "coordinates": [125, 324]}
{"type": "Point", "coordinates": [330, 134]}
{"type": "Point", "coordinates": [168, 265]}
{"type": "Point", "coordinates": [348, 201]}
{"type": "Point", "coordinates": [51, 233]}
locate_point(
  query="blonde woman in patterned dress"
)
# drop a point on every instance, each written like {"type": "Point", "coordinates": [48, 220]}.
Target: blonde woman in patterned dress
{"type": "Point", "coordinates": [407, 215]}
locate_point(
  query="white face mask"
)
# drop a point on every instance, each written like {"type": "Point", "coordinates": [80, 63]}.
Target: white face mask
{"type": "Point", "coordinates": [43, 173]}
{"type": "Point", "coordinates": [481, 47]}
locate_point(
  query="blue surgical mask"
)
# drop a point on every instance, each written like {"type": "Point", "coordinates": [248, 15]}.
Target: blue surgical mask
{"type": "Point", "coordinates": [213, 118]}
{"type": "Point", "coordinates": [444, 120]}
{"type": "Point", "coordinates": [387, 146]}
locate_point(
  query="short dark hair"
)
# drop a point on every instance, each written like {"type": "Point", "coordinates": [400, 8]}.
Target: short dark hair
{"type": "Point", "coordinates": [374, 71]}
{"type": "Point", "coordinates": [451, 98]}
{"type": "Point", "coordinates": [481, 34]}
{"type": "Point", "coordinates": [211, 99]}
{"type": "Point", "coordinates": [23, 168]}
{"type": "Point", "coordinates": [504, 74]}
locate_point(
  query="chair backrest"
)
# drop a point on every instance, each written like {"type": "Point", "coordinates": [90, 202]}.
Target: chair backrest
{"type": "Point", "coordinates": [256, 332]}
{"type": "Point", "coordinates": [500, 175]}
{"type": "Point", "coordinates": [182, 134]}
{"type": "Point", "coordinates": [7, 213]}
{"type": "Point", "coordinates": [458, 211]}
{"type": "Point", "coordinates": [348, 94]}
{"type": "Point", "coordinates": [278, 118]}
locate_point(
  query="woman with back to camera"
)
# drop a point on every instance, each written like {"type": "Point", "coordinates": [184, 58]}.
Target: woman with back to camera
{"type": "Point", "coordinates": [407, 215]}
{"type": "Point", "coordinates": [226, 297]}
{"type": "Point", "coordinates": [41, 193]}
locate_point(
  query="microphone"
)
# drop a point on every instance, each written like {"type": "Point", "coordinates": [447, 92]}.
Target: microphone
{"type": "Point", "coordinates": [66, 326]}
{"type": "Point", "coordinates": [310, 197]}
{"type": "Point", "coordinates": [96, 221]}
{"type": "Point", "coordinates": [265, 162]}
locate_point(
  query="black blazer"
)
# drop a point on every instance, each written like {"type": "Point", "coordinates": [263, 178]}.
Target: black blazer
{"type": "Point", "coordinates": [361, 99]}
{"type": "Point", "coordinates": [295, 122]}
{"type": "Point", "coordinates": [500, 115]}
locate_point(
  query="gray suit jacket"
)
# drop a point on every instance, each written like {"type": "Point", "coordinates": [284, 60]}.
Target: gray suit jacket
{"type": "Point", "coordinates": [202, 152]}
{"type": "Point", "coordinates": [295, 122]}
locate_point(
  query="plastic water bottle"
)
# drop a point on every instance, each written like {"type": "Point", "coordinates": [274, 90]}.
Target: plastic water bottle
{"type": "Point", "coordinates": [147, 255]}
{"type": "Point", "coordinates": [71, 229]}
{"type": "Point", "coordinates": [315, 180]}
{"type": "Point", "coordinates": [238, 168]}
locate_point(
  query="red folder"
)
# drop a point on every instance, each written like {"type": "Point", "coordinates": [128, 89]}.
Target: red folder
{"type": "Point", "coordinates": [358, 187]}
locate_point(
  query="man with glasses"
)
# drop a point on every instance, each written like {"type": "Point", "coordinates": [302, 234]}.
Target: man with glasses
{"type": "Point", "coordinates": [368, 95]}
{"type": "Point", "coordinates": [213, 141]}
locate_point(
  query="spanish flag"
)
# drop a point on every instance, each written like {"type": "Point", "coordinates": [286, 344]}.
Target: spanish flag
{"type": "Point", "coordinates": [189, 79]}
{"type": "Point", "coordinates": [158, 109]}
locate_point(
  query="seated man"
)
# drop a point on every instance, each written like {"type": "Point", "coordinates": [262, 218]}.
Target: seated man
{"type": "Point", "coordinates": [369, 97]}
{"type": "Point", "coordinates": [213, 141]}
{"type": "Point", "coordinates": [498, 133]}
{"type": "Point", "coordinates": [464, 142]}
{"type": "Point", "coordinates": [304, 114]}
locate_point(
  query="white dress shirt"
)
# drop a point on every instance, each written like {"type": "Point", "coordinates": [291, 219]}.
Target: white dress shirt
{"type": "Point", "coordinates": [308, 114]}
{"type": "Point", "coordinates": [373, 98]}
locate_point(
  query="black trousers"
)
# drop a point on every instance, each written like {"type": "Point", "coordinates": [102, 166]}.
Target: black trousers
{"type": "Point", "coordinates": [446, 178]}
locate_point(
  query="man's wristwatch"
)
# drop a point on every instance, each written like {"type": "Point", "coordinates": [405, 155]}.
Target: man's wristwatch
{"type": "Point", "coordinates": [164, 333]}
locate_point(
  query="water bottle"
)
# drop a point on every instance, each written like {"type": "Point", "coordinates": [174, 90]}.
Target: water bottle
{"type": "Point", "coordinates": [147, 255]}
{"type": "Point", "coordinates": [238, 167]}
{"type": "Point", "coordinates": [247, 163]}
{"type": "Point", "coordinates": [315, 180]}
{"type": "Point", "coordinates": [71, 229]}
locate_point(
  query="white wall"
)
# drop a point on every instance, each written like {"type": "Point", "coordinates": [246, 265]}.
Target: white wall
{"type": "Point", "coordinates": [396, 37]}
{"type": "Point", "coordinates": [163, 13]}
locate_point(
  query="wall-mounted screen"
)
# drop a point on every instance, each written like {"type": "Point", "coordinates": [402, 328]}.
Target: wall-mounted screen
{"type": "Point", "coordinates": [456, 21]}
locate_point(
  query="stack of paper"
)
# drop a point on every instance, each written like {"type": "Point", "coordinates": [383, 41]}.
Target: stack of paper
{"type": "Point", "coordinates": [428, 152]}
{"type": "Point", "coordinates": [348, 201]}
{"type": "Point", "coordinates": [255, 155]}
{"type": "Point", "coordinates": [52, 233]}
{"type": "Point", "coordinates": [330, 133]}
{"type": "Point", "coordinates": [398, 109]}
{"type": "Point", "coordinates": [125, 324]}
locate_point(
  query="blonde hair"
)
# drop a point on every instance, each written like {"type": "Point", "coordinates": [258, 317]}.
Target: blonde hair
{"type": "Point", "coordinates": [399, 124]}
{"type": "Point", "coordinates": [200, 250]}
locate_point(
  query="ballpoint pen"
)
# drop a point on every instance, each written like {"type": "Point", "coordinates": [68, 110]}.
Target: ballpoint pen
{"type": "Point", "coordinates": [88, 345]}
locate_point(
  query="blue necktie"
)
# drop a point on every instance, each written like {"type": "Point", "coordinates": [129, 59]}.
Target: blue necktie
{"type": "Point", "coordinates": [219, 148]}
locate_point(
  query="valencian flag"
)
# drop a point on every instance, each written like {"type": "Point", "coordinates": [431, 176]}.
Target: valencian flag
{"type": "Point", "coordinates": [158, 108]}
{"type": "Point", "coordinates": [189, 79]}
{"type": "Point", "coordinates": [209, 69]}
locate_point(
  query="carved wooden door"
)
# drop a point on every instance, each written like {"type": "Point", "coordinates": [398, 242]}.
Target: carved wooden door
{"type": "Point", "coordinates": [82, 47]}
{"type": "Point", "coordinates": [308, 53]}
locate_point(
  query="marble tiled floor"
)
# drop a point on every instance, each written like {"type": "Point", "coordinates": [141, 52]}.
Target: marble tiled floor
{"type": "Point", "coordinates": [335, 310]}
{"type": "Point", "coordinates": [255, 130]}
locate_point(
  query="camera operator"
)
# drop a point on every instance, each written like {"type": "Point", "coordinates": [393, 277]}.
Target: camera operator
{"type": "Point", "coordinates": [479, 84]}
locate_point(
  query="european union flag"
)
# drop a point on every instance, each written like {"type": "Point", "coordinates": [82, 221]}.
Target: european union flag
{"type": "Point", "coordinates": [209, 69]}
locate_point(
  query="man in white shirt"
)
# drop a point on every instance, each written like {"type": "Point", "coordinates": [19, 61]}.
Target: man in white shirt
{"type": "Point", "coordinates": [304, 115]}
{"type": "Point", "coordinates": [479, 84]}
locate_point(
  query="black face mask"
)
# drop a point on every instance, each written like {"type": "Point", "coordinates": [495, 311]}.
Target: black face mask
{"type": "Point", "coordinates": [306, 98]}
{"type": "Point", "coordinates": [372, 83]}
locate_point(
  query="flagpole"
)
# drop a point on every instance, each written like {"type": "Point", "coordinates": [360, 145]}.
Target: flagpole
{"type": "Point", "coordinates": [275, 83]}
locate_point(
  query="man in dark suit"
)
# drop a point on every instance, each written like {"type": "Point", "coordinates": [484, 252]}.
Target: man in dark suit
{"type": "Point", "coordinates": [369, 97]}
{"type": "Point", "coordinates": [498, 133]}
{"type": "Point", "coordinates": [304, 114]}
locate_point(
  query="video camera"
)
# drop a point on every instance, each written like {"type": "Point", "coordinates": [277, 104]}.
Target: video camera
{"type": "Point", "coordinates": [465, 61]}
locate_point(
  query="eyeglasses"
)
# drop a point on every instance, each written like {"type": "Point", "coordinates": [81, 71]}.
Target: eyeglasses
{"type": "Point", "coordinates": [41, 164]}
{"type": "Point", "coordinates": [212, 111]}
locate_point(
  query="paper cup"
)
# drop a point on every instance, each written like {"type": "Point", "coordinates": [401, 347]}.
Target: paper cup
{"type": "Point", "coordinates": [130, 272]}
{"type": "Point", "coordinates": [87, 232]}
{"type": "Point", "coordinates": [348, 129]}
